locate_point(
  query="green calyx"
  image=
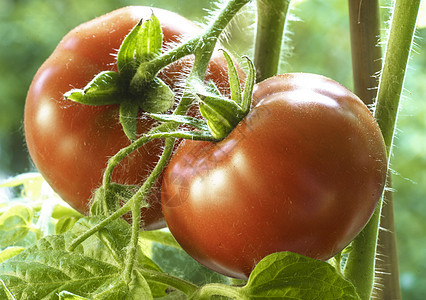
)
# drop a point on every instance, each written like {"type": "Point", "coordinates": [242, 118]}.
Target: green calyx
{"type": "Point", "coordinates": [222, 114]}
{"type": "Point", "coordinates": [139, 47]}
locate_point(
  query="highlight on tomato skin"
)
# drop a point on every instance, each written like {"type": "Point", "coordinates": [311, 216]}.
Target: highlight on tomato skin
{"type": "Point", "coordinates": [70, 143]}
{"type": "Point", "coordinates": [303, 172]}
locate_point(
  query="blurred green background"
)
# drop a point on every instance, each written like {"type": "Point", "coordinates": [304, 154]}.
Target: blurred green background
{"type": "Point", "coordinates": [318, 42]}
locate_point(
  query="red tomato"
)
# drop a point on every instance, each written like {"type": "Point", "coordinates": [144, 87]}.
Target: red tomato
{"type": "Point", "coordinates": [302, 172]}
{"type": "Point", "coordinates": [70, 143]}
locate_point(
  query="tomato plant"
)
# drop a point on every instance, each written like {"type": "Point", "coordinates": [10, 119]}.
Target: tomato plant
{"type": "Point", "coordinates": [302, 172]}
{"type": "Point", "coordinates": [70, 143]}
{"type": "Point", "coordinates": [268, 185]}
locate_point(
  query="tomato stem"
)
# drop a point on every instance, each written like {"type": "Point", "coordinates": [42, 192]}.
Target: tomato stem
{"type": "Point", "coordinates": [186, 287]}
{"type": "Point", "coordinates": [360, 265]}
{"type": "Point", "coordinates": [271, 17]}
{"type": "Point", "coordinates": [204, 48]}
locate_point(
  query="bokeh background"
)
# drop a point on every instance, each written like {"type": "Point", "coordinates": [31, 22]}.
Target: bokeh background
{"type": "Point", "coordinates": [317, 41]}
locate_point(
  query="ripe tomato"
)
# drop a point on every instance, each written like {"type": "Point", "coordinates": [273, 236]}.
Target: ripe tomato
{"type": "Point", "coordinates": [71, 143]}
{"type": "Point", "coordinates": [302, 172]}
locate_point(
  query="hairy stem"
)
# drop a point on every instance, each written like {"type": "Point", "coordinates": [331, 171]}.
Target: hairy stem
{"type": "Point", "coordinates": [271, 17]}
{"type": "Point", "coordinates": [366, 53]}
{"type": "Point", "coordinates": [212, 290]}
{"type": "Point", "coordinates": [360, 265]}
{"type": "Point", "coordinates": [186, 287]}
{"type": "Point", "coordinates": [203, 51]}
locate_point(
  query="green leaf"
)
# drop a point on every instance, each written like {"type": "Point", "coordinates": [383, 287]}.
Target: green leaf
{"type": "Point", "coordinates": [46, 269]}
{"type": "Point", "coordinates": [150, 41]}
{"type": "Point", "coordinates": [161, 237]}
{"type": "Point", "coordinates": [183, 120]}
{"type": "Point", "coordinates": [15, 224]}
{"type": "Point", "coordinates": [5, 293]}
{"type": "Point", "coordinates": [104, 89]}
{"type": "Point", "coordinates": [126, 54]}
{"type": "Point", "coordinates": [92, 270]}
{"type": "Point", "coordinates": [60, 211]}
{"type": "Point", "coordinates": [65, 223]}
{"type": "Point", "coordinates": [234, 81]}
{"type": "Point", "coordinates": [287, 275]}
{"type": "Point", "coordinates": [10, 252]}
{"type": "Point", "coordinates": [129, 119]}
{"type": "Point", "coordinates": [139, 288]}
{"type": "Point", "coordinates": [157, 97]}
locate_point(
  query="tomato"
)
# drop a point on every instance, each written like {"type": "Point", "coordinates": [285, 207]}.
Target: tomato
{"type": "Point", "coordinates": [302, 172]}
{"type": "Point", "coordinates": [70, 143]}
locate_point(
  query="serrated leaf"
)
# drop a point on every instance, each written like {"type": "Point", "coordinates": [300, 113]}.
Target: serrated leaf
{"type": "Point", "coordinates": [15, 224]}
{"type": "Point", "coordinates": [287, 275]}
{"type": "Point", "coordinates": [182, 120]}
{"type": "Point", "coordinates": [43, 271]}
{"type": "Point", "coordinates": [104, 89]}
{"type": "Point", "coordinates": [234, 81]}
{"type": "Point", "coordinates": [93, 269]}
{"type": "Point", "coordinates": [157, 97]}
{"type": "Point", "coordinates": [129, 119]}
{"type": "Point", "coordinates": [150, 41]}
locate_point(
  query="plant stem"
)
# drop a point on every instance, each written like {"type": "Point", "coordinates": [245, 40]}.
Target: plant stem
{"type": "Point", "coordinates": [364, 20]}
{"type": "Point", "coordinates": [387, 256]}
{"type": "Point", "coordinates": [186, 287]}
{"type": "Point", "coordinates": [360, 265]}
{"type": "Point", "coordinates": [211, 290]}
{"type": "Point", "coordinates": [271, 17]}
{"type": "Point", "coordinates": [396, 59]}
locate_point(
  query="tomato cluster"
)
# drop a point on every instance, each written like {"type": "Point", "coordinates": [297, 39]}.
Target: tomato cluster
{"type": "Point", "coordinates": [302, 172]}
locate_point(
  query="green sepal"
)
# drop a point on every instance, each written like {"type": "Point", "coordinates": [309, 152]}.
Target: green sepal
{"type": "Point", "coordinates": [234, 81]}
{"type": "Point", "coordinates": [126, 54]}
{"type": "Point", "coordinates": [157, 97]}
{"type": "Point", "coordinates": [104, 89]}
{"type": "Point", "coordinates": [149, 44]}
{"type": "Point", "coordinates": [129, 118]}
{"type": "Point", "coordinates": [248, 88]}
{"type": "Point", "coordinates": [182, 120]}
{"type": "Point", "coordinates": [222, 115]}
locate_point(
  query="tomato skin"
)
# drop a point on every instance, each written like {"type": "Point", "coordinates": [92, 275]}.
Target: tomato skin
{"type": "Point", "coordinates": [303, 172]}
{"type": "Point", "coordinates": [70, 143]}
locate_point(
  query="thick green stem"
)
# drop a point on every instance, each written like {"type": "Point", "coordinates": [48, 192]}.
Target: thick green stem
{"type": "Point", "coordinates": [364, 20]}
{"type": "Point", "coordinates": [360, 265]}
{"type": "Point", "coordinates": [271, 17]}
